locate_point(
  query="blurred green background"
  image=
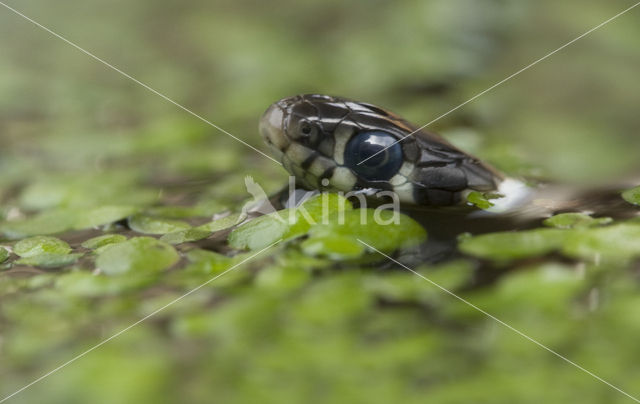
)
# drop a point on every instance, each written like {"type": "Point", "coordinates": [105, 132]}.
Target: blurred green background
{"type": "Point", "coordinates": [76, 136]}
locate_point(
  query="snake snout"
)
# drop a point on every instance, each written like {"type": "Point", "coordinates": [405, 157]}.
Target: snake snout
{"type": "Point", "coordinates": [271, 128]}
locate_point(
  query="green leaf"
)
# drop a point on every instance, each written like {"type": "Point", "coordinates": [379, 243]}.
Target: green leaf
{"type": "Point", "coordinates": [152, 225]}
{"type": "Point", "coordinates": [50, 222]}
{"type": "Point", "coordinates": [378, 228]}
{"type": "Point", "coordinates": [37, 245]}
{"type": "Point", "coordinates": [632, 195]}
{"type": "Point", "coordinates": [292, 222]}
{"type": "Point", "coordinates": [185, 236]}
{"type": "Point", "coordinates": [60, 220]}
{"type": "Point", "coordinates": [4, 254]}
{"type": "Point", "coordinates": [221, 224]}
{"type": "Point", "coordinates": [335, 247]}
{"type": "Point", "coordinates": [618, 243]}
{"type": "Point", "coordinates": [207, 262]}
{"type": "Point", "coordinates": [575, 220]}
{"type": "Point", "coordinates": [176, 212]}
{"type": "Point", "coordinates": [91, 189]}
{"type": "Point", "coordinates": [202, 231]}
{"type": "Point", "coordinates": [318, 209]}
{"type": "Point", "coordinates": [258, 233]}
{"type": "Point", "coordinates": [505, 246]}
{"type": "Point", "coordinates": [199, 255]}
{"type": "Point", "coordinates": [404, 286]}
{"type": "Point", "coordinates": [479, 200]}
{"type": "Point", "coordinates": [86, 284]}
{"type": "Point", "coordinates": [103, 215]}
{"type": "Point", "coordinates": [49, 260]}
{"type": "Point", "coordinates": [282, 278]}
{"type": "Point", "coordinates": [139, 254]}
{"type": "Point", "coordinates": [101, 241]}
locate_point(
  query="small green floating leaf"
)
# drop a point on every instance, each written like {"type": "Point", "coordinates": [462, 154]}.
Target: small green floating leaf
{"type": "Point", "coordinates": [139, 254]}
{"type": "Point", "coordinates": [204, 209]}
{"type": "Point", "coordinates": [86, 284]}
{"type": "Point", "coordinates": [104, 240]}
{"type": "Point", "coordinates": [37, 245]}
{"type": "Point", "coordinates": [479, 200]}
{"type": "Point", "coordinates": [111, 187]}
{"type": "Point", "coordinates": [50, 222]}
{"type": "Point", "coordinates": [258, 233]}
{"type": "Point", "coordinates": [282, 278]}
{"type": "Point", "coordinates": [505, 246]}
{"type": "Point", "coordinates": [49, 260]}
{"type": "Point", "coordinates": [185, 236]}
{"type": "Point", "coordinates": [103, 215]}
{"type": "Point", "coordinates": [632, 195]}
{"type": "Point", "coordinates": [43, 194]}
{"type": "Point", "coordinates": [288, 223]}
{"type": "Point", "coordinates": [620, 242]}
{"type": "Point", "coordinates": [152, 225]}
{"type": "Point", "coordinates": [221, 224]}
{"type": "Point", "coordinates": [4, 254]}
{"type": "Point", "coordinates": [202, 231]}
{"type": "Point", "coordinates": [318, 209]}
{"type": "Point", "coordinates": [405, 286]}
{"type": "Point", "coordinates": [200, 255]}
{"type": "Point", "coordinates": [44, 251]}
{"type": "Point", "coordinates": [335, 247]}
{"type": "Point", "coordinates": [381, 229]}
{"type": "Point", "coordinates": [450, 275]}
{"type": "Point", "coordinates": [546, 290]}
{"type": "Point", "coordinates": [176, 212]}
{"type": "Point", "coordinates": [575, 220]}
{"type": "Point", "coordinates": [207, 262]}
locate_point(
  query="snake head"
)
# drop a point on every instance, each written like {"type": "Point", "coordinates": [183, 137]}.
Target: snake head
{"type": "Point", "coordinates": [343, 145]}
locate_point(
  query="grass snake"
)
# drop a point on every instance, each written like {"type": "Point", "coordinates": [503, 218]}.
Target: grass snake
{"type": "Point", "coordinates": [321, 140]}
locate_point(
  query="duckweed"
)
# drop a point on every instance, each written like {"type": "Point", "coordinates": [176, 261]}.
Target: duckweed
{"type": "Point", "coordinates": [138, 254]}
{"type": "Point", "coordinates": [104, 240]}
{"type": "Point", "coordinates": [37, 245]}
{"type": "Point", "coordinates": [131, 190]}
{"type": "Point", "coordinates": [572, 220]}
{"type": "Point", "coordinates": [4, 254]}
{"type": "Point", "coordinates": [153, 225]}
{"type": "Point", "coordinates": [632, 195]}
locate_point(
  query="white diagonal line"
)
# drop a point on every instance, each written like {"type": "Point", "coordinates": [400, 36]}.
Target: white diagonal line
{"type": "Point", "coordinates": [136, 81]}
{"type": "Point", "coordinates": [505, 79]}
{"type": "Point", "coordinates": [503, 323]}
{"type": "Point", "coordinates": [134, 324]}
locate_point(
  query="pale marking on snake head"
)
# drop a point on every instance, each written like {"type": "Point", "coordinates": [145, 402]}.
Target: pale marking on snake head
{"type": "Point", "coordinates": [343, 179]}
{"type": "Point", "coordinates": [342, 136]}
{"type": "Point", "coordinates": [404, 191]}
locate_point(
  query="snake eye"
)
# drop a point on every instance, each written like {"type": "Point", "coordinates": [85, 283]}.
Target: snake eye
{"type": "Point", "coordinates": [377, 167]}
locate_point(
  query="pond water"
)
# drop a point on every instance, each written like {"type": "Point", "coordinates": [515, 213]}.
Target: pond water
{"type": "Point", "coordinates": [115, 202]}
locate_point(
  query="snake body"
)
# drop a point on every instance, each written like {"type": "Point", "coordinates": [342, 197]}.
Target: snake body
{"type": "Point", "coordinates": [338, 144]}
